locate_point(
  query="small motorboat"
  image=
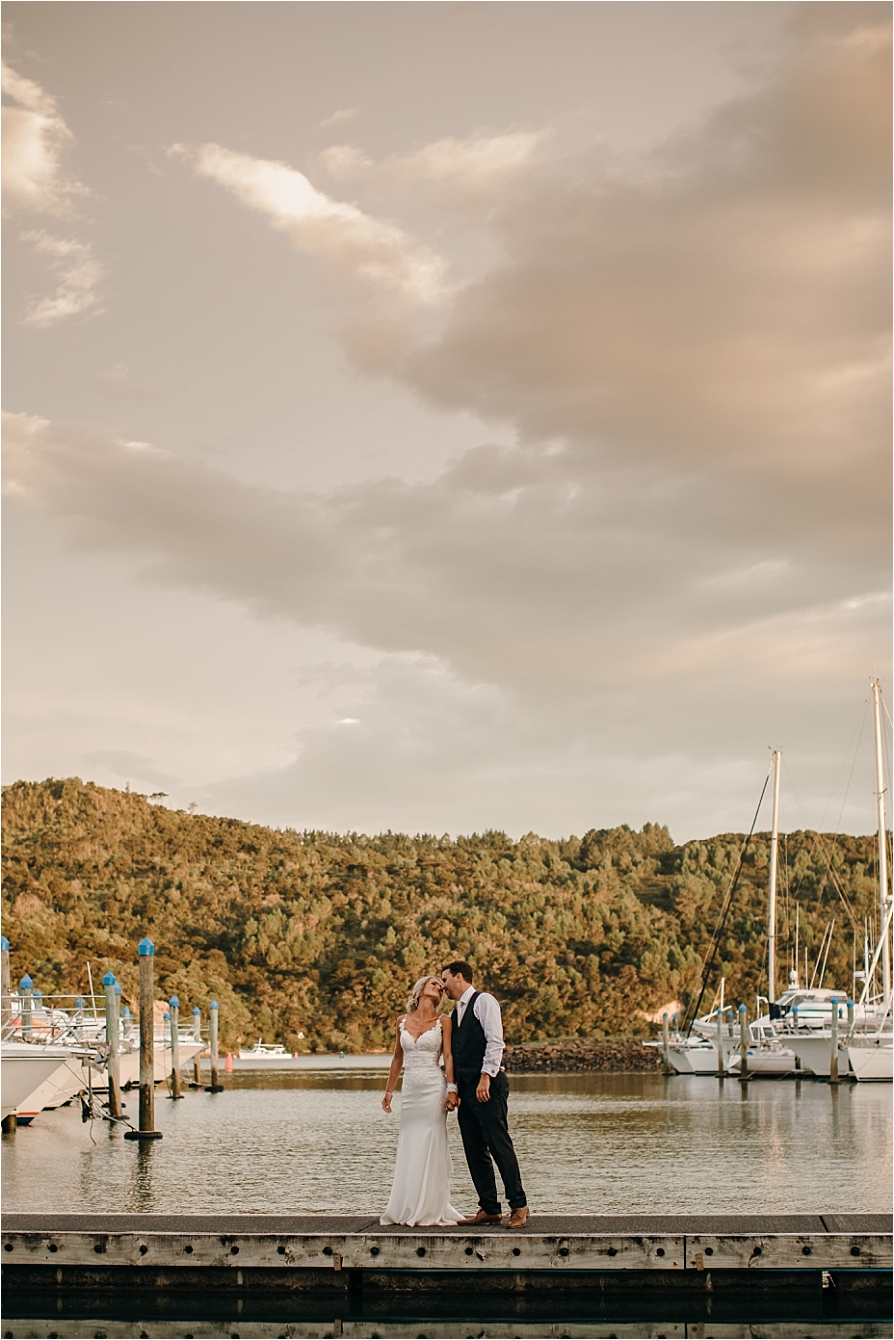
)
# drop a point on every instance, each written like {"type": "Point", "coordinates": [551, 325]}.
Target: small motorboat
{"type": "Point", "coordinates": [259, 1052]}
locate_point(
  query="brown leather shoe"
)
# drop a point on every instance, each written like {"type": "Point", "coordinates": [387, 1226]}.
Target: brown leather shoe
{"type": "Point", "coordinates": [482, 1217]}
{"type": "Point", "coordinates": [518, 1218]}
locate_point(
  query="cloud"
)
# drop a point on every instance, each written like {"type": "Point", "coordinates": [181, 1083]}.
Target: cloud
{"type": "Point", "coordinates": [353, 242]}
{"type": "Point", "coordinates": [514, 569]}
{"type": "Point", "coordinates": [338, 118]}
{"type": "Point", "coordinates": [724, 307]}
{"type": "Point", "coordinates": [35, 138]}
{"type": "Point", "coordinates": [692, 529]}
{"type": "Point", "coordinates": [344, 161]}
{"type": "Point", "coordinates": [79, 277]}
{"type": "Point", "coordinates": [477, 162]}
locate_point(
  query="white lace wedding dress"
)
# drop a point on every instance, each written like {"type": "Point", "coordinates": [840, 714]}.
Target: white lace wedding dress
{"type": "Point", "coordinates": [420, 1193]}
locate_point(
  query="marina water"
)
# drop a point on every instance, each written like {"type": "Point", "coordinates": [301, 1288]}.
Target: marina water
{"type": "Point", "coordinates": [318, 1142]}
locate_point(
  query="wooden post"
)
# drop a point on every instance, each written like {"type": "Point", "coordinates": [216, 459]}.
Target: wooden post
{"type": "Point", "coordinates": [26, 987]}
{"type": "Point", "coordinates": [833, 1059]}
{"type": "Point", "coordinates": [147, 1045]}
{"type": "Point", "coordinates": [743, 1042]}
{"type": "Point", "coordinates": [174, 1004]}
{"type": "Point", "coordinates": [5, 984]}
{"type": "Point", "coordinates": [720, 1042]}
{"type": "Point", "coordinates": [215, 1086]}
{"type": "Point", "coordinates": [197, 1034]}
{"type": "Point", "coordinates": [108, 986]}
{"type": "Point", "coordinates": [665, 1034]}
{"type": "Point", "coordinates": [850, 1019]}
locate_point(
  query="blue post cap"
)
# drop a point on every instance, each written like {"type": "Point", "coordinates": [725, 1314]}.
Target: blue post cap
{"type": "Point", "coordinates": [167, 1016]}
{"type": "Point", "coordinates": [4, 944]}
{"type": "Point", "coordinates": [196, 1010]}
{"type": "Point", "coordinates": [664, 1016]}
{"type": "Point", "coordinates": [213, 1005]}
{"type": "Point", "coordinates": [79, 1003]}
{"type": "Point", "coordinates": [849, 1002]}
{"type": "Point", "coordinates": [741, 1009]}
{"type": "Point", "coordinates": [109, 979]}
{"type": "Point", "coordinates": [174, 1001]}
{"type": "Point", "coordinates": [126, 1011]}
{"type": "Point", "coordinates": [146, 947]}
{"type": "Point", "coordinates": [38, 992]}
{"type": "Point", "coordinates": [26, 983]}
{"type": "Point", "coordinates": [117, 988]}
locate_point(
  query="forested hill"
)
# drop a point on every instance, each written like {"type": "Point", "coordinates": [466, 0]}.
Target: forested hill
{"type": "Point", "coordinates": [322, 933]}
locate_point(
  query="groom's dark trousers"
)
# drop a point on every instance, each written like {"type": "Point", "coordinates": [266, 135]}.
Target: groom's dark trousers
{"type": "Point", "coordinates": [486, 1140]}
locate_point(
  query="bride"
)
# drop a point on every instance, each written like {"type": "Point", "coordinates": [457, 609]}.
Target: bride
{"type": "Point", "coordinates": [420, 1193]}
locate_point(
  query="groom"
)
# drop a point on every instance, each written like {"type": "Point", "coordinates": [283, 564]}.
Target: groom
{"type": "Point", "coordinates": [483, 1097]}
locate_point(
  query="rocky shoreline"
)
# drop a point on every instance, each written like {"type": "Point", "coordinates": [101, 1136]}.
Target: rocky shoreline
{"type": "Point", "coordinates": [610, 1054]}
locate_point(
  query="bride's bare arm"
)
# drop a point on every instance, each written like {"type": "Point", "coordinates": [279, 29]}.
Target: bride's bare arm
{"type": "Point", "coordinates": [397, 1061]}
{"type": "Point", "coordinates": [447, 1044]}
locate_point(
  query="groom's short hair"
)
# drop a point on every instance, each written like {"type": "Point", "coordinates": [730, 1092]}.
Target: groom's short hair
{"type": "Point", "coordinates": [459, 969]}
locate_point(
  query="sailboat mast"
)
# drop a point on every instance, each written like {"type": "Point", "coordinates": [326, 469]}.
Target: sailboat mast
{"type": "Point", "coordinates": [882, 843]}
{"type": "Point", "coordinates": [774, 859]}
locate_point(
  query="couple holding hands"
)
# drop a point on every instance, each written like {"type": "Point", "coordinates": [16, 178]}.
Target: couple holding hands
{"type": "Point", "coordinates": [472, 1081]}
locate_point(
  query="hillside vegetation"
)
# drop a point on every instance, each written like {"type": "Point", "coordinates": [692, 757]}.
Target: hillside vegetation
{"type": "Point", "coordinates": [322, 934]}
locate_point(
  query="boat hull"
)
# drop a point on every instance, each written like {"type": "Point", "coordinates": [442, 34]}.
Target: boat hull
{"type": "Point", "coordinates": [66, 1080]}
{"type": "Point", "coordinates": [873, 1062]}
{"type": "Point", "coordinates": [129, 1062]}
{"type": "Point", "coordinates": [25, 1068]}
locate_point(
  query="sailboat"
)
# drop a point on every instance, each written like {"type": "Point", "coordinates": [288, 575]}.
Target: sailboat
{"type": "Point", "coordinates": [803, 1016]}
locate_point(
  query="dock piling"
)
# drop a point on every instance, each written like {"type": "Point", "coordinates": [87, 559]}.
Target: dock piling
{"type": "Point", "coordinates": [720, 1066]}
{"type": "Point", "coordinates": [743, 1042]}
{"type": "Point", "coordinates": [108, 985]}
{"type": "Point", "coordinates": [5, 983]}
{"type": "Point", "coordinates": [9, 1122]}
{"type": "Point", "coordinates": [665, 1040]}
{"type": "Point", "coordinates": [26, 988]}
{"type": "Point", "coordinates": [174, 1005]}
{"type": "Point", "coordinates": [197, 1034]}
{"type": "Point", "coordinates": [833, 1059]}
{"type": "Point", "coordinates": [215, 1086]}
{"type": "Point", "coordinates": [147, 1045]}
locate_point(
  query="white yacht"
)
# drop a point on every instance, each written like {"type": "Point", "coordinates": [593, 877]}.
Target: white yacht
{"type": "Point", "coordinates": [24, 1067]}
{"type": "Point", "coordinates": [271, 1053]}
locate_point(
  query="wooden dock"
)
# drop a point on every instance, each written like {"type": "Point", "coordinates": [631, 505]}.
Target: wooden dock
{"type": "Point", "coordinates": [564, 1252]}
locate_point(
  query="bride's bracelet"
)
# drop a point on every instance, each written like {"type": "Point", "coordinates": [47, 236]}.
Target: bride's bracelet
{"type": "Point", "coordinates": [389, 1093]}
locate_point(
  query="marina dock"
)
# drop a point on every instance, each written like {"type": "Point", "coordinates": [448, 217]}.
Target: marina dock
{"type": "Point", "coordinates": [353, 1254]}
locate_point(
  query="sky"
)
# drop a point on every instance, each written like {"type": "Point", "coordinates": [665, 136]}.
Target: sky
{"type": "Point", "coordinates": [439, 417]}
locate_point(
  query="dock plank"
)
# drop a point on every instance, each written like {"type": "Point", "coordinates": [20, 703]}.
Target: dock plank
{"type": "Point", "coordinates": [549, 1244]}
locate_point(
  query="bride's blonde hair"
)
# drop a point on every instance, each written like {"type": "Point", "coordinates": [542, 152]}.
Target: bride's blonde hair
{"type": "Point", "coordinates": [416, 993]}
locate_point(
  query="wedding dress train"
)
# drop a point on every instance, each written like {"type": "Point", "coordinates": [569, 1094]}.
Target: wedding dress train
{"type": "Point", "coordinates": [420, 1193]}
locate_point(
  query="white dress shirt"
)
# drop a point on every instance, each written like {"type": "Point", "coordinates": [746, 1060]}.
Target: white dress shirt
{"type": "Point", "coordinates": [487, 1012]}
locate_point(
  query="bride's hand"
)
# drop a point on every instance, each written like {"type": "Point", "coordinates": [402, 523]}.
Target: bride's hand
{"type": "Point", "coordinates": [386, 1103]}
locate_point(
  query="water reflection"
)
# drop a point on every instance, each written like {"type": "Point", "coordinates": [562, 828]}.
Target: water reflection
{"type": "Point", "coordinates": [291, 1142]}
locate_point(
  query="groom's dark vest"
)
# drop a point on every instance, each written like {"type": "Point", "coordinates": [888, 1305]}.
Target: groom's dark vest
{"type": "Point", "coordinates": [469, 1043]}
